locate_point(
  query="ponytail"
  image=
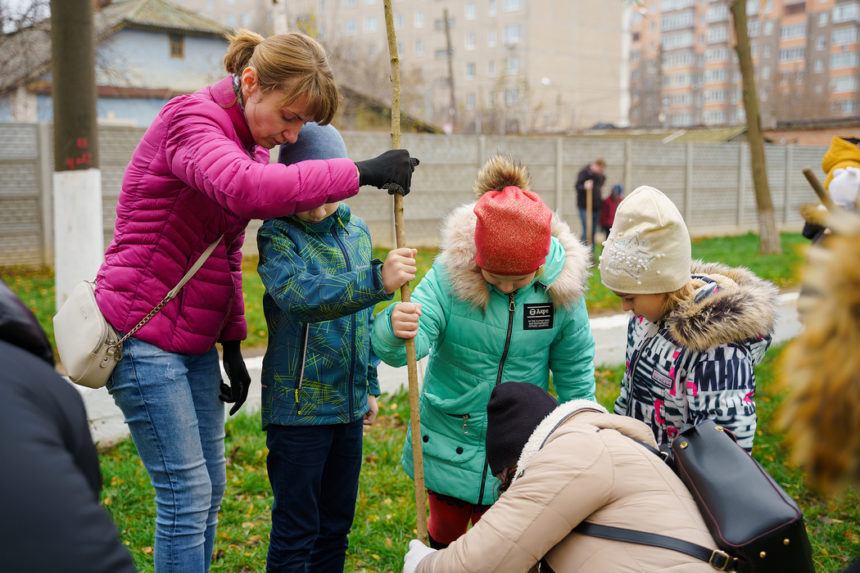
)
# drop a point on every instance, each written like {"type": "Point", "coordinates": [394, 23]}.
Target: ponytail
{"type": "Point", "coordinates": [240, 50]}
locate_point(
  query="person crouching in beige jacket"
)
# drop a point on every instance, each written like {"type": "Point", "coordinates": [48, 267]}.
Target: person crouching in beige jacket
{"type": "Point", "coordinates": [561, 466]}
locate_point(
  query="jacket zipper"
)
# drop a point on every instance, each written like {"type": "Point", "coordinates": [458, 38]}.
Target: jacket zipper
{"type": "Point", "coordinates": [511, 310]}
{"type": "Point", "coordinates": [350, 389]}
{"type": "Point", "coordinates": [305, 332]}
{"type": "Point", "coordinates": [628, 409]}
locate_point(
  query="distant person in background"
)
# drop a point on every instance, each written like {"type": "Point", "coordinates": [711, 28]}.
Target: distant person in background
{"type": "Point", "coordinates": [50, 517]}
{"type": "Point", "coordinates": [607, 210]}
{"type": "Point", "coordinates": [590, 179]}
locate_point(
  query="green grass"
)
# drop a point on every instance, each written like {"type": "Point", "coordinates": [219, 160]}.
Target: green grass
{"type": "Point", "coordinates": [384, 521]}
{"type": "Point", "coordinates": [36, 287]}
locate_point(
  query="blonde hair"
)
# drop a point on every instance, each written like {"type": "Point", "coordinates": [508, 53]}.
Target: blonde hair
{"type": "Point", "coordinates": [293, 62]}
{"type": "Point", "coordinates": [676, 298]}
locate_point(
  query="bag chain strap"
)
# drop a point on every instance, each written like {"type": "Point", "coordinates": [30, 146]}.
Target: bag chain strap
{"type": "Point", "coordinates": [117, 346]}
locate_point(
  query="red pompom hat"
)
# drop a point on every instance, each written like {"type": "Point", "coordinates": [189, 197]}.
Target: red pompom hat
{"type": "Point", "coordinates": [513, 228]}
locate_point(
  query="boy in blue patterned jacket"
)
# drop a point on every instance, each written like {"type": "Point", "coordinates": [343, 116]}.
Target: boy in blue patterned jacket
{"type": "Point", "coordinates": [698, 329]}
{"type": "Point", "coordinates": [319, 379]}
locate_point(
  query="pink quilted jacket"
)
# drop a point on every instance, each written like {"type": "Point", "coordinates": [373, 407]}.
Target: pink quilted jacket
{"type": "Point", "coordinates": [195, 175]}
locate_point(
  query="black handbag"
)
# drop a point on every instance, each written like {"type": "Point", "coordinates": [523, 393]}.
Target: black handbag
{"type": "Point", "coordinates": [747, 512]}
{"type": "Point", "coordinates": [757, 526]}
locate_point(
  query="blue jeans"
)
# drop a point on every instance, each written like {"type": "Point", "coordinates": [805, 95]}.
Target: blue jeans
{"type": "Point", "coordinates": [595, 217]}
{"type": "Point", "coordinates": [170, 402]}
{"type": "Point", "coordinates": [314, 475]}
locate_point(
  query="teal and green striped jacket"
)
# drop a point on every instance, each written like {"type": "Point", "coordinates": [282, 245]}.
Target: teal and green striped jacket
{"type": "Point", "coordinates": [321, 287]}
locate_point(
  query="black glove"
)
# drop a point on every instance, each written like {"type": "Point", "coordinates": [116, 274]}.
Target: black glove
{"type": "Point", "coordinates": [391, 171]}
{"type": "Point", "coordinates": [237, 392]}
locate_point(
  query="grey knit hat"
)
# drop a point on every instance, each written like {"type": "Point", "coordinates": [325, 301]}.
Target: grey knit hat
{"type": "Point", "coordinates": [314, 142]}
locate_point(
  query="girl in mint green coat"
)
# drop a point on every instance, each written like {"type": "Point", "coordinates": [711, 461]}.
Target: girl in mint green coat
{"type": "Point", "coordinates": [502, 302]}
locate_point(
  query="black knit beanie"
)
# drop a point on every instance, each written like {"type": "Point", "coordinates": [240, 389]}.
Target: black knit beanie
{"type": "Point", "coordinates": [514, 411]}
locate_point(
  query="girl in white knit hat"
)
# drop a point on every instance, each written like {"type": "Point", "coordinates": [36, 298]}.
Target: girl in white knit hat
{"type": "Point", "coordinates": [698, 329]}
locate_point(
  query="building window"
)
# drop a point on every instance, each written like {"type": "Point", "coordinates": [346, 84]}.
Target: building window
{"type": "Point", "coordinates": [718, 34]}
{"type": "Point", "coordinates": [822, 19]}
{"type": "Point", "coordinates": [765, 72]}
{"type": "Point", "coordinates": [513, 65]}
{"type": "Point", "coordinates": [846, 12]}
{"type": "Point", "coordinates": [845, 107]}
{"type": "Point", "coordinates": [440, 54]}
{"type": "Point", "coordinates": [439, 24]}
{"type": "Point", "coordinates": [491, 68]}
{"type": "Point", "coordinates": [714, 117]}
{"type": "Point", "coordinates": [677, 40]}
{"type": "Point", "coordinates": [398, 21]}
{"type": "Point", "coordinates": [791, 54]}
{"type": "Point", "coordinates": [471, 11]}
{"type": "Point", "coordinates": [512, 5]}
{"type": "Point", "coordinates": [715, 76]}
{"type": "Point", "coordinates": [819, 66]}
{"type": "Point", "coordinates": [470, 40]}
{"type": "Point", "coordinates": [844, 36]}
{"type": "Point", "coordinates": [820, 43]}
{"type": "Point", "coordinates": [512, 96]}
{"type": "Point", "coordinates": [471, 101]}
{"type": "Point", "coordinates": [797, 8]}
{"type": "Point", "coordinates": [768, 28]}
{"type": "Point", "coordinates": [793, 31]}
{"type": "Point", "coordinates": [470, 71]}
{"type": "Point", "coordinates": [370, 2]}
{"type": "Point", "coordinates": [716, 54]}
{"type": "Point", "coordinates": [419, 47]}
{"type": "Point", "coordinates": [177, 46]}
{"type": "Point", "coordinates": [754, 28]}
{"type": "Point", "coordinates": [676, 20]}
{"type": "Point", "coordinates": [491, 39]}
{"type": "Point", "coordinates": [717, 13]}
{"type": "Point", "coordinates": [492, 8]}
{"type": "Point", "coordinates": [350, 27]}
{"type": "Point", "coordinates": [512, 34]}
{"type": "Point", "coordinates": [349, 3]}
{"type": "Point", "coordinates": [844, 60]}
{"type": "Point", "coordinates": [419, 19]}
{"type": "Point", "coordinates": [845, 84]}
{"type": "Point", "coordinates": [370, 24]}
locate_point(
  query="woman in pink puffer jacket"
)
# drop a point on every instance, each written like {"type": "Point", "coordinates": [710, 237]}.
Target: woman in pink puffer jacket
{"type": "Point", "coordinates": [202, 171]}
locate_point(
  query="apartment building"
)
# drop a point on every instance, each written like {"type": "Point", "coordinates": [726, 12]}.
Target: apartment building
{"type": "Point", "coordinates": [684, 69]}
{"type": "Point", "coordinates": [517, 65]}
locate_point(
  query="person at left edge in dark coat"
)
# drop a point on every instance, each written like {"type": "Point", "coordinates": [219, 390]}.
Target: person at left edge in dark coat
{"type": "Point", "coordinates": [50, 517]}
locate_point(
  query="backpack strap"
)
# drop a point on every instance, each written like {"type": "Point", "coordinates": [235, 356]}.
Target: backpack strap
{"type": "Point", "coordinates": [716, 558]}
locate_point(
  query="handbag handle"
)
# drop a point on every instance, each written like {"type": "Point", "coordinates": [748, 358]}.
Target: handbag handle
{"type": "Point", "coordinates": [170, 295]}
{"type": "Point", "coordinates": [716, 558]}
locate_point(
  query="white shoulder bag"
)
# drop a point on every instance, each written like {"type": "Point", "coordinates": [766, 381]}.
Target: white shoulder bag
{"type": "Point", "coordinates": [89, 347]}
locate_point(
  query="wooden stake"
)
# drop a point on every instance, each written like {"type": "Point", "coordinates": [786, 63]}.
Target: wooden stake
{"type": "Point", "coordinates": [405, 291]}
{"type": "Point", "coordinates": [819, 189]}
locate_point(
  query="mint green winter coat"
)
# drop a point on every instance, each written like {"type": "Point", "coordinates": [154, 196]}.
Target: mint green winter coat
{"type": "Point", "coordinates": [478, 337]}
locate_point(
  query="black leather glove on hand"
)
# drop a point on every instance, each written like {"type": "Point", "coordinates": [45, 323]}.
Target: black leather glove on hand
{"type": "Point", "coordinates": [391, 171]}
{"type": "Point", "coordinates": [237, 392]}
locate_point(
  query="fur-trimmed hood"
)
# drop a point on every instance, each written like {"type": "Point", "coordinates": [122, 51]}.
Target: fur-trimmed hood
{"type": "Point", "coordinates": [736, 307]}
{"type": "Point", "coordinates": [565, 272]}
{"type": "Point", "coordinates": [584, 411]}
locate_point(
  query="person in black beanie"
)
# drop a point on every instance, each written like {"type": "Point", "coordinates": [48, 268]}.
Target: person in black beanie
{"type": "Point", "coordinates": [564, 465]}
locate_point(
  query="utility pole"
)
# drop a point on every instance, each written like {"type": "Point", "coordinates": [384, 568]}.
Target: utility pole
{"type": "Point", "coordinates": [769, 242]}
{"type": "Point", "coordinates": [78, 226]}
{"type": "Point", "coordinates": [452, 105]}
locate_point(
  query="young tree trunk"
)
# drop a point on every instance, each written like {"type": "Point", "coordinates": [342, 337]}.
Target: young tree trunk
{"type": "Point", "coordinates": [405, 291]}
{"type": "Point", "coordinates": [768, 233]}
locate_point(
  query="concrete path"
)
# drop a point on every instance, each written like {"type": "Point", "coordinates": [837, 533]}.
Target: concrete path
{"type": "Point", "coordinates": [108, 427]}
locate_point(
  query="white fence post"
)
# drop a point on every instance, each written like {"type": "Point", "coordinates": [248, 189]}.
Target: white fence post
{"type": "Point", "coordinates": [741, 180]}
{"type": "Point", "coordinates": [688, 184]}
{"type": "Point", "coordinates": [46, 193]}
{"type": "Point", "coordinates": [559, 180]}
{"type": "Point", "coordinates": [786, 198]}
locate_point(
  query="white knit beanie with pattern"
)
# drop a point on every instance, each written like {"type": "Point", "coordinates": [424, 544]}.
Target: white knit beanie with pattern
{"type": "Point", "coordinates": [648, 249]}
